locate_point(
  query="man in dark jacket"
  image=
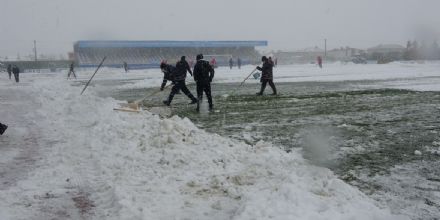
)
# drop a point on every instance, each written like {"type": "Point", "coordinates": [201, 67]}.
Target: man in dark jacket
{"type": "Point", "coordinates": [239, 63]}
{"type": "Point", "coordinates": [203, 75]}
{"type": "Point", "coordinates": [9, 70]}
{"type": "Point", "coordinates": [266, 76]}
{"type": "Point", "coordinates": [178, 78]}
{"type": "Point", "coordinates": [16, 72]}
{"type": "Point", "coordinates": [231, 63]}
{"type": "Point", "coordinates": [183, 67]}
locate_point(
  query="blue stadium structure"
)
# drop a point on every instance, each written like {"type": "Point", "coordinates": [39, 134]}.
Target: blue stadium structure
{"type": "Point", "coordinates": [149, 54]}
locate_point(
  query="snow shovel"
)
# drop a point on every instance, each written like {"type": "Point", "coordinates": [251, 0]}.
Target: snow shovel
{"type": "Point", "coordinates": [243, 81]}
{"type": "Point", "coordinates": [85, 87]}
{"type": "Point", "coordinates": [135, 106]}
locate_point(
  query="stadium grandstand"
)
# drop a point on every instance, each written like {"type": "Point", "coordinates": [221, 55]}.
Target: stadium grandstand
{"type": "Point", "coordinates": [149, 54]}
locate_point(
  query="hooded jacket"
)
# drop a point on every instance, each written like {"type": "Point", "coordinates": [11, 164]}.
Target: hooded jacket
{"type": "Point", "coordinates": [203, 72]}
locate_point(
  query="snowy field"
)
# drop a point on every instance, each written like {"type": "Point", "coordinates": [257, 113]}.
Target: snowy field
{"type": "Point", "coordinates": [67, 156]}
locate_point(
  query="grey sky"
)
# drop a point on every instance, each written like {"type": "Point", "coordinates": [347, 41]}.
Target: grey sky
{"type": "Point", "coordinates": [286, 24]}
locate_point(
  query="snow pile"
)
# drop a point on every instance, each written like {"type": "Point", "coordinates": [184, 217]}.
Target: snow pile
{"type": "Point", "coordinates": [117, 165]}
{"type": "Point", "coordinates": [411, 188]}
{"type": "Point", "coordinates": [139, 166]}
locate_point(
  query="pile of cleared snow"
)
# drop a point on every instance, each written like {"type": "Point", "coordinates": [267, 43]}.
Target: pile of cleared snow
{"type": "Point", "coordinates": [139, 166]}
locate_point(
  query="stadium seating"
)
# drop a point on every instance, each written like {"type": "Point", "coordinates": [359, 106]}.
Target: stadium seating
{"type": "Point", "coordinates": [144, 54]}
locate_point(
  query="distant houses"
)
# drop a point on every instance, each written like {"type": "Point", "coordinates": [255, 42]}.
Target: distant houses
{"type": "Point", "coordinates": [309, 55]}
{"type": "Point", "coordinates": [382, 52]}
{"type": "Point", "coordinates": [306, 55]}
{"type": "Point", "coordinates": [386, 52]}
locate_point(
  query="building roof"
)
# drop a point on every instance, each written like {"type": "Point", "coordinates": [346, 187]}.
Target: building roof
{"type": "Point", "coordinates": [312, 49]}
{"type": "Point", "coordinates": [387, 46]}
{"type": "Point", "coordinates": [164, 44]}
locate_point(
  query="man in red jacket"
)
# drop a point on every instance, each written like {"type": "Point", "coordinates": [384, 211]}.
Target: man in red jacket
{"type": "Point", "coordinates": [319, 59]}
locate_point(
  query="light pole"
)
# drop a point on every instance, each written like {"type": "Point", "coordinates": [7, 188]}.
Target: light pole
{"type": "Point", "coordinates": [35, 49]}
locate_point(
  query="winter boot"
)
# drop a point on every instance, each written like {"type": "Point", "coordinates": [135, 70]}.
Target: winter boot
{"type": "Point", "coordinates": [194, 101]}
{"type": "Point", "coordinates": [199, 102]}
{"type": "Point", "coordinates": [166, 102]}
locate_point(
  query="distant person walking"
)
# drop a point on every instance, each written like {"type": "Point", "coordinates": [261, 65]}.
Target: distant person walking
{"type": "Point", "coordinates": [3, 128]}
{"type": "Point", "coordinates": [9, 70]}
{"type": "Point", "coordinates": [231, 63]}
{"type": "Point", "coordinates": [319, 60]}
{"type": "Point", "coordinates": [125, 67]}
{"type": "Point", "coordinates": [239, 63]}
{"type": "Point", "coordinates": [266, 76]}
{"type": "Point", "coordinates": [178, 78]}
{"type": "Point", "coordinates": [203, 75]}
{"type": "Point", "coordinates": [213, 62]}
{"type": "Point", "coordinates": [71, 70]}
{"type": "Point", "coordinates": [16, 72]}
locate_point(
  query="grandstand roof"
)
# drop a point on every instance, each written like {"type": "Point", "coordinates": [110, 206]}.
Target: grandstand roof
{"type": "Point", "coordinates": [162, 44]}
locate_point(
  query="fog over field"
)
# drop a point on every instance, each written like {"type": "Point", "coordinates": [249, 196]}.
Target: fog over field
{"type": "Point", "coordinates": [286, 24]}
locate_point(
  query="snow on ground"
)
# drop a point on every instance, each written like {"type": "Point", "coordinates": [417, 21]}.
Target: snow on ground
{"type": "Point", "coordinates": [96, 163]}
{"type": "Point", "coordinates": [402, 73]}
{"type": "Point", "coordinates": [405, 182]}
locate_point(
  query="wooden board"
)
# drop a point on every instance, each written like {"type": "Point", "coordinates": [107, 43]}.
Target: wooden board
{"type": "Point", "coordinates": [126, 110]}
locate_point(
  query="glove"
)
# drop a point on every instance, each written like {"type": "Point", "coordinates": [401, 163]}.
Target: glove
{"type": "Point", "coordinates": [161, 88]}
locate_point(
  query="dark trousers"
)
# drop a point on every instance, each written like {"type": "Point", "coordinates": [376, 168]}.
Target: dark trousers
{"type": "Point", "coordinates": [271, 84]}
{"type": "Point", "coordinates": [71, 72]}
{"type": "Point", "coordinates": [10, 73]}
{"type": "Point", "coordinates": [180, 85]}
{"type": "Point", "coordinates": [16, 75]}
{"type": "Point", "coordinates": [204, 87]}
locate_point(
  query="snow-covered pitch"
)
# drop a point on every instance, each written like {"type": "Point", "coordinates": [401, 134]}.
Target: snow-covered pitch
{"type": "Point", "coordinates": [81, 159]}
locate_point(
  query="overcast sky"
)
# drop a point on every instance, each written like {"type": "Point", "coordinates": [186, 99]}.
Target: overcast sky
{"type": "Point", "coordinates": [286, 24]}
